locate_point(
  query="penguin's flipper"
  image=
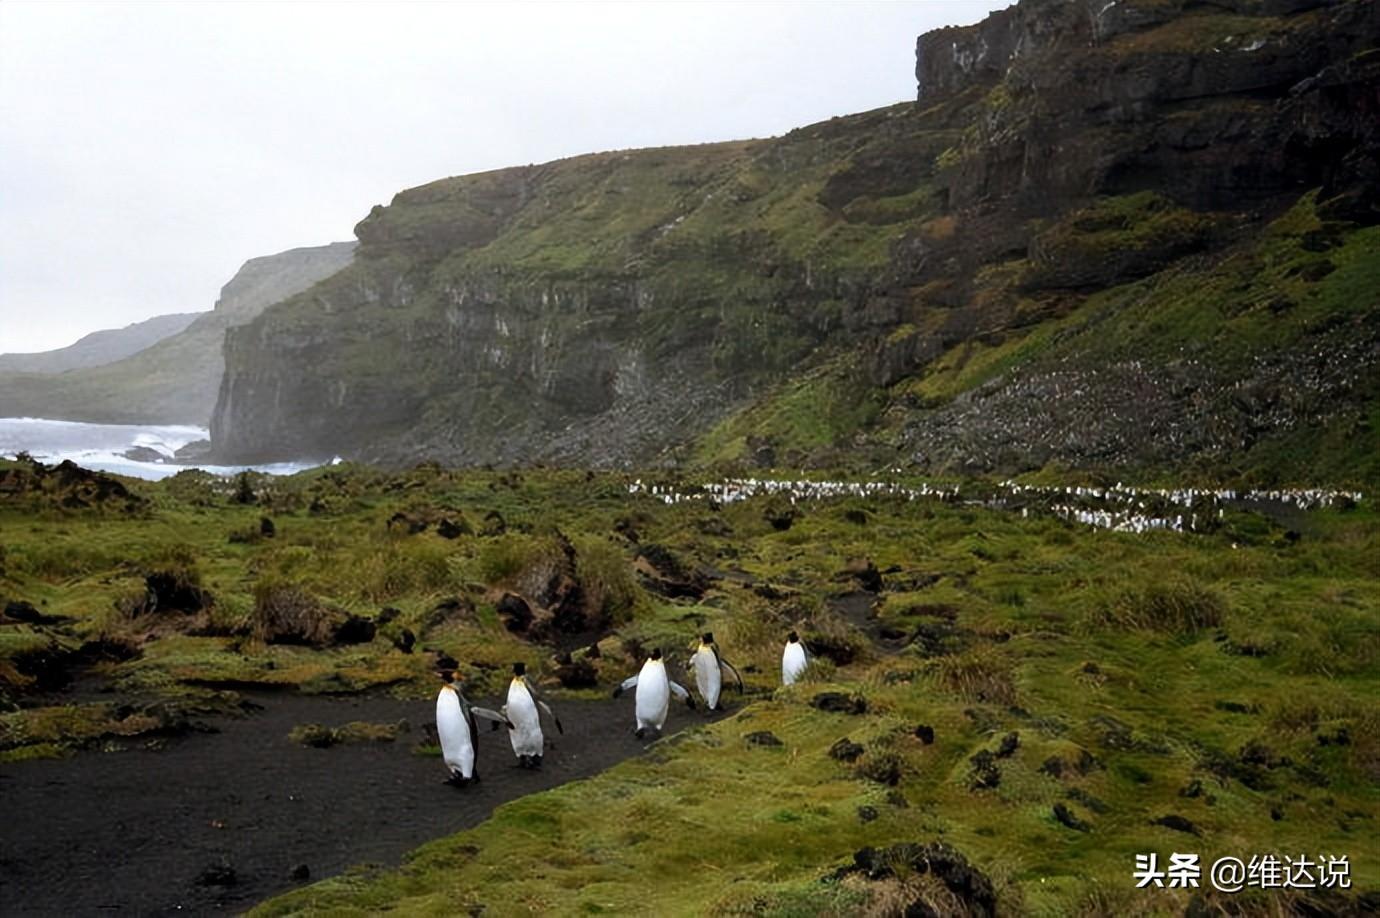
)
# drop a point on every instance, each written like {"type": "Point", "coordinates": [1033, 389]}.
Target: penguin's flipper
{"type": "Point", "coordinates": [494, 716]}
{"type": "Point", "coordinates": [725, 665]}
{"type": "Point", "coordinates": [680, 692]}
{"type": "Point", "coordinates": [630, 682]}
{"type": "Point", "coordinates": [551, 714]}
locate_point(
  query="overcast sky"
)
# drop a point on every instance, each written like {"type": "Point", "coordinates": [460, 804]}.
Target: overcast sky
{"type": "Point", "coordinates": [148, 149]}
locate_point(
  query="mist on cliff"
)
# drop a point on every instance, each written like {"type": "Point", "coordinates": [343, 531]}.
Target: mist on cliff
{"type": "Point", "coordinates": [146, 150]}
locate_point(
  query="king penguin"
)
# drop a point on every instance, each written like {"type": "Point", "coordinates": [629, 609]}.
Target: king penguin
{"type": "Point", "coordinates": [523, 711]}
{"type": "Point", "coordinates": [455, 725]}
{"type": "Point", "coordinates": [654, 689]}
{"type": "Point", "coordinates": [793, 659]}
{"type": "Point", "coordinates": [709, 670]}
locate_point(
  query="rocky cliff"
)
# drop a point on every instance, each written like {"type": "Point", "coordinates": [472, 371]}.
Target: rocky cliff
{"type": "Point", "coordinates": [100, 347]}
{"type": "Point", "coordinates": [174, 379]}
{"type": "Point", "coordinates": [736, 298]}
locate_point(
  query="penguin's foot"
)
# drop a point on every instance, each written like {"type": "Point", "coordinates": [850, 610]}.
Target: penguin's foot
{"type": "Point", "coordinates": [640, 732]}
{"type": "Point", "coordinates": [536, 761]}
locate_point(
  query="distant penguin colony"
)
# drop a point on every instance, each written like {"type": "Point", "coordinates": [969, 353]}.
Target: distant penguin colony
{"type": "Point", "coordinates": [654, 690]}
{"type": "Point", "coordinates": [793, 660]}
{"type": "Point", "coordinates": [709, 669]}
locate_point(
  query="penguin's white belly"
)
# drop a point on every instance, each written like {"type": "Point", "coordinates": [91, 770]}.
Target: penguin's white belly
{"type": "Point", "coordinates": [457, 746]}
{"type": "Point", "coordinates": [708, 678]}
{"type": "Point", "coordinates": [522, 714]}
{"type": "Point", "coordinates": [792, 663]}
{"type": "Point", "coordinates": [653, 698]}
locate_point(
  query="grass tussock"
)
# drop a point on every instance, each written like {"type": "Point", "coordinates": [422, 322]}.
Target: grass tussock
{"type": "Point", "coordinates": [1174, 606]}
{"type": "Point", "coordinates": [982, 674]}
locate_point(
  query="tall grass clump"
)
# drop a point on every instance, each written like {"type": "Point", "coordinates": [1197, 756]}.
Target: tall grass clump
{"type": "Point", "coordinates": [402, 567]}
{"type": "Point", "coordinates": [981, 674]}
{"type": "Point", "coordinates": [611, 592]}
{"type": "Point", "coordinates": [1174, 606]}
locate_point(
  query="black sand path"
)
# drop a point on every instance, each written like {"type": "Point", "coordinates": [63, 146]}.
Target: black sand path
{"type": "Point", "coordinates": [133, 832]}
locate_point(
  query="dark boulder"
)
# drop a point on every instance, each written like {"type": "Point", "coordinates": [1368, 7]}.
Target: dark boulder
{"type": "Point", "coordinates": [453, 527]}
{"type": "Point", "coordinates": [845, 750]}
{"type": "Point", "coordinates": [945, 863]}
{"type": "Point", "coordinates": [839, 703]}
{"type": "Point", "coordinates": [925, 733]}
{"type": "Point", "coordinates": [355, 629]}
{"type": "Point", "coordinates": [1177, 823]}
{"type": "Point", "coordinates": [1066, 817]}
{"type": "Point", "coordinates": [985, 774]}
{"type": "Point", "coordinates": [575, 674]}
{"type": "Point", "coordinates": [762, 738]}
{"type": "Point", "coordinates": [514, 612]}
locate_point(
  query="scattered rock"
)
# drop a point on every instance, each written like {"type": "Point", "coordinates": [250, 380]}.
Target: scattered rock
{"type": "Point", "coordinates": [1236, 707]}
{"type": "Point", "coordinates": [885, 768]}
{"type": "Point", "coordinates": [196, 451]}
{"type": "Point", "coordinates": [266, 527]}
{"type": "Point", "coordinates": [762, 738]}
{"type": "Point", "coordinates": [855, 516]}
{"type": "Point", "coordinates": [867, 813]}
{"type": "Point", "coordinates": [864, 572]}
{"type": "Point", "coordinates": [408, 522]}
{"type": "Point", "coordinates": [1009, 744]}
{"type": "Point", "coordinates": [1067, 818]}
{"type": "Point", "coordinates": [144, 454]}
{"type": "Point", "coordinates": [173, 590]}
{"type": "Point", "coordinates": [27, 614]}
{"type": "Point", "coordinates": [386, 615]}
{"type": "Point", "coordinates": [494, 524]}
{"type": "Point", "coordinates": [925, 733]}
{"type": "Point", "coordinates": [780, 516]}
{"type": "Point", "coordinates": [405, 640]}
{"type": "Point", "coordinates": [839, 703]}
{"type": "Point", "coordinates": [355, 630]}
{"type": "Point", "coordinates": [1177, 823]}
{"type": "Point", "coordinates": [575, 674]}
{"type": "Point", "coordinates": [449, 528]}
{"type": "Point", "coordinates": [985, 774]}
{"type": "Point", "coordinates": [220, 874]}
{"type": "Point", "coordinates": [845, 750]}
{"type": "Point", "coordinates": [1088, 800]}
{"type": "Point", "coordinates": [515, 613]}
{"type": "Point", "coordinates": [897, 799]}
{"type": "Point", "coordinates": [450, 609]}
{"type": "Point", "coordinates": [973, 888]}
{"type": "Point", "coordinates": [665, 574]}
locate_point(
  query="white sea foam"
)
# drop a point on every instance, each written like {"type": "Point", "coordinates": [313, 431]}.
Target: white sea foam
{"type": "Point", "coordinates": [102, 446]}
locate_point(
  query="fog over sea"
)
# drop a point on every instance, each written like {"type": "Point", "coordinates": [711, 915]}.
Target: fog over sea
{"type": "Point", "coordinates": [103, 446]}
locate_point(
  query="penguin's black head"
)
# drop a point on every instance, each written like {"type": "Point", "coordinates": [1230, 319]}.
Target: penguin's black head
{"type": "Point", "coordinates": [519, 669]}
{"type": "Point", "coordinates": [793, 638]}
{"type": "Point", "coordinates": [656, 654]}
{"type": "Point", "coordinates": [447, 676]}
{"type": "Point", "coordinates": [709, 637]}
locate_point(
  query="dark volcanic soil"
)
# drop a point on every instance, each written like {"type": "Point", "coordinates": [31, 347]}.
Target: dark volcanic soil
{"type": "Point", "coordinates": [134, 831]}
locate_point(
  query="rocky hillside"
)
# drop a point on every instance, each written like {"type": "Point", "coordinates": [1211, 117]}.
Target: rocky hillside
{"type": "Point", "coordinates": [100, 347]}
{"type": "Point", "coordinates": [175, 379]}
{"type": "Point", "coordinates": [1123, 235]}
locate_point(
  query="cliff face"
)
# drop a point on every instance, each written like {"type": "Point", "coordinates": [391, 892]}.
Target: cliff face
{"type": "Point", "coordinates": [611, 308]}
{"type": "Point", "coordinates": [175, 379]}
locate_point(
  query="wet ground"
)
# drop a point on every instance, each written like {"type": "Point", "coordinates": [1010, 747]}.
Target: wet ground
{"type": "Point", "coordinates": [217, 822]}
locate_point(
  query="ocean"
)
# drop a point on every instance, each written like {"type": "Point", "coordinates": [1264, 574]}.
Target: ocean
{"type": "Point", "coordinates": [102, 446]}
